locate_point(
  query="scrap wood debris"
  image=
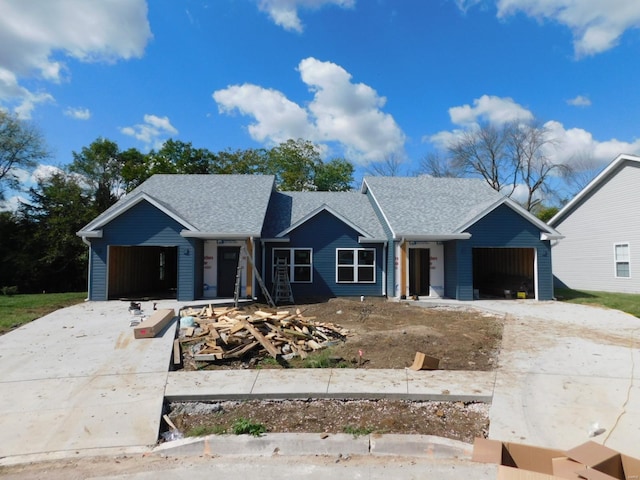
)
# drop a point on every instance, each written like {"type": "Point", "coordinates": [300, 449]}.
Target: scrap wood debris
{"type": "Point", "coordinates": [210, 334]}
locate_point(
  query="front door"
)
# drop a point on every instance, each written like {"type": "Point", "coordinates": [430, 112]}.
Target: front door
{"type": "Point", "coordinates": [227, 269]}
{"type": "Point", "coordinates": [419, 270]}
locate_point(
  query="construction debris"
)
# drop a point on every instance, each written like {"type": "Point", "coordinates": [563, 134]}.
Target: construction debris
{"type": "Point", "coordinates": [225, 333]}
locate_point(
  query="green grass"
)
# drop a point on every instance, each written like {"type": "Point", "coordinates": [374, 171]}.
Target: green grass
{"type": "Point", "coordinates": [627, 302]}
{"type": "Point", "coordinates": [204, 430]}
{"type": "Point", "coordinates": [244, 426]}
{"type": "Point", "coordinates": [16, 310]}
{"type": "Point", "coordinates": [357, 431]}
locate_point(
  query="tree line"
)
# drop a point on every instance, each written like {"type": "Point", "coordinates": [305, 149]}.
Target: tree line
{"type": "Point", "coordinates": [39, 250]}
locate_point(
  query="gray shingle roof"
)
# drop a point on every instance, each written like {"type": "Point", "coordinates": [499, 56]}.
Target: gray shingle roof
{"type": "Point", "coordinates": [288, 208]}
{"type": "Point", "coordinates": [224, 204]}
{"type": "Point", "coordinates": [431, 206]}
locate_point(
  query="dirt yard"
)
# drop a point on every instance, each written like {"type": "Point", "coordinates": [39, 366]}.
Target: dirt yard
{"type": "Point", "coordinates": [388, 334]}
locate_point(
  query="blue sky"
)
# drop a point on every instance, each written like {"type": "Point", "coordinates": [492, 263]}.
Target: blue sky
{"type": "Point", "coordinates": [364, 79]}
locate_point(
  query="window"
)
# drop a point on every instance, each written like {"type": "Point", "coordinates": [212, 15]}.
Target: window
{"type": "Point", "coordinates": [356, 265]}
{"type": "Point", "coordinates": [621, 256]}
{"type": "Point", "coordinates": [298, 261]}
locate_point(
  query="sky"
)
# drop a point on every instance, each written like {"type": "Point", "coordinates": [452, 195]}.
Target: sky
{"type": "Point", "coordinates": [366, 80]}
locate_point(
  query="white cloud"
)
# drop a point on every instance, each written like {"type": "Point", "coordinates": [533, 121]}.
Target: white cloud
{"type": "Point", "coordinates": [341, 111]}
{"type": "Point", "coordinates": [597, 25]}
{"type": "Point", "coordinates": [579, 101]}
{"type": "Point", "coordinates": [495, 110]}
{"type": "Point", "coordinates": [43, 172]}
{"type": "Point", "coordinates": [568, 147]}
{"type": "Point", "coordinates": [78, 113]}
{"type": "Point", "coordinates": [36, 36]}
{"type": "Point", "coordinates": [152, 132]}
{"type": "Point", "coordinates": [285, 12]}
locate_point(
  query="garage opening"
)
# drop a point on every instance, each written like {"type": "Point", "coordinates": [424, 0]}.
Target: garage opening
{"type": "Point", "coordinates": [143, 272]}
{"type": "Point", "coordinates": [504, 272]}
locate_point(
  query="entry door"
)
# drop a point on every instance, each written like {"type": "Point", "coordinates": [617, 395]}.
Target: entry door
{"type": "Point", "coordinates": [419, 270]}
{"type": "Point", "coordinates": [227, 268]}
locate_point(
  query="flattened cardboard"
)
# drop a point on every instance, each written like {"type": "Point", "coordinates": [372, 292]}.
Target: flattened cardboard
{"type": "Point", "coordinates": [525, 457]}
{"type": "Point", "coordinates": [512, 473]}
{"type": "Point", "coordinates": [600, 458]}
{"type": "Point", "coordinates": [154, 324]}
{"type": "Point", "coordinates": [564, 467]}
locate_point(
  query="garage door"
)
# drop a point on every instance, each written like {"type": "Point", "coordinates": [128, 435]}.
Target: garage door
{"type": "Point", "coordinates": [143, 272]}
{"type": "Point", "coordinates": [502, 272]}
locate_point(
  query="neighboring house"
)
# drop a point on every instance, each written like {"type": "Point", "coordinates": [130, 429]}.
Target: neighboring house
{"type": "Point", "coordinates": [186, 236]}
{"type": "Point", "coordinates": [601, 226]}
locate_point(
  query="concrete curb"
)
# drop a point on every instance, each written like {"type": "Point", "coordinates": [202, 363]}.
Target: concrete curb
{"type": "Point", "coordinates": [300, 444]}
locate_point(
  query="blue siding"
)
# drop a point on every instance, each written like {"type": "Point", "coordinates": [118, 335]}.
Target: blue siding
{"type": "Point", "coordinates": [503, 228]}
{"type": "Point", "coordinates": [451, 269]}
{"type": "Point", "coordinates": [324, 233]}
{"type": "Point", "coordinates": [144, 225]}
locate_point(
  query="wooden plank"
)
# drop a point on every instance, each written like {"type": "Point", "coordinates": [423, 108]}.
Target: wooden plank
{"type": "Point", "coordinates": [150, 327]}
{"type": "Point", "coordinates": [208, 357]}
{"type": "Point", "coordinates": [177, 356]}
{"type": "Point", "coordinates": [268, 346]}
{"type": "Point", "coordinates": [239, 351]}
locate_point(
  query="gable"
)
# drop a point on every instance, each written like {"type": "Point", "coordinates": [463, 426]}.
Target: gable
{"type": "Point", "coordinates": [323, 225]}
{"type": "Point", "coordinates": [503, 226]}
{"type": "Point", "coordinates": [321, 216]}
{"type": "Point", "coordinates": [618, 181]}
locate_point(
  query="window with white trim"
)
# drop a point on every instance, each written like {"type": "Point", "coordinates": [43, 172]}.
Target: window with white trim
{"type": "Point", "coordinates": [356, 265]}
{"type": "Point", "coordinates": [621, 257]}
{"type": "Point", "coordinates": [298, 261]}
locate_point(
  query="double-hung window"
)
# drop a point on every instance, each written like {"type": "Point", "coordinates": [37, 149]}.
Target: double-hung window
{"type": "Point", "coordinates": [356, 265]}
{"type": "Point", "coordinates": [621, 257]}
{"type": "Point", "coordinates": [298, 261]}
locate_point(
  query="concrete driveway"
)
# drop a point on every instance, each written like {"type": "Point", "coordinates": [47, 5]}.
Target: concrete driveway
{"type": "Point", "coordinates": [565, 372]}
{"type": "Point", "coordinates": [77, 379]}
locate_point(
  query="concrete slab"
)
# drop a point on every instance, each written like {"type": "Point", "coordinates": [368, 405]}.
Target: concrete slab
{"type": "Point", "coordinates": [79, 380]}
{"type": "Point", "coordinates": [350, 383]}
{"type": "Point", "coordinates": [306, 383]}
{"type": "Point", "coordinates": [451, 385]}
{"type": "Point", "coordinates": [210, 385]}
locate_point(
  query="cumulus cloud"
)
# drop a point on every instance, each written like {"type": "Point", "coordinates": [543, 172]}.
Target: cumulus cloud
{"type": "Point", "coordinates": [35, 38]}
{"type": "Point", "coordinates": [78, 113]}
{"type": "Point", "coordinates": [285, 12]}
{"type": "Point", "coordinates": [152, 132]}
{"type": "Point", "coordinates": [579, 101]}
{"type": "Point", "coordinates": [495, 110]}
{"type": "Point", "coordinates": [343, 112]}
{"type": "Point", "coordinates": [569, 146]}
{"type": "Point", "coordinates": [597, 25]}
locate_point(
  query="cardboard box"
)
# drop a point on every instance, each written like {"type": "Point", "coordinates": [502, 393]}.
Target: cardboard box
{"type": "Point", "coordinates": [153, 325]}
{"type": "Point", "coordinates": [604, 460]}
{"type": "Point", "coordinates": [590, 461]}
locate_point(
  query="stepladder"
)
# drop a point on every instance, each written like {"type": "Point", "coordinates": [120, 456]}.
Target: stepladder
{"type": "Point", "coordinates": [282, 285]}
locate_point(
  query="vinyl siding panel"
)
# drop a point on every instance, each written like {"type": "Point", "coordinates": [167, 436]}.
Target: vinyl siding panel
{"type": "Point", "coordinates": [324, 233]}
{"type": "Point", "coordinates": [143, 225]}
{"type": "Point", "coordinates": [584, 259]}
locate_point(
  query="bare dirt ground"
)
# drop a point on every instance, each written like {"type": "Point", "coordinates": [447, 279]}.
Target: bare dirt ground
{"type": "Point", "coordinates": [388, 334]}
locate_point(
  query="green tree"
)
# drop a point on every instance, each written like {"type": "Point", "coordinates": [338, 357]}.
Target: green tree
{"type": "Point", "coordinates": [100, 165]}
{"type": "Point", "coordinates": [134, 168]}
{"type": "Point", "coordinates": [246, 162]}
{"type": "Point", "coordinates": [334, 176]}
{"type": "Point", "coordinates": [176, 156]}
{"type": "Point", "coordinates": [294, 163]}
{"type": "Point", "coordinates": [59, 206]}
{"type": "Point", "coordinates": [21, 147]}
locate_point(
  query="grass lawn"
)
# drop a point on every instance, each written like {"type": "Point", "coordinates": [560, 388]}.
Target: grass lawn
{"type": "Point", "coordinates": [627, 302]}
{"type": "Point", "coordinates": [16, 310]}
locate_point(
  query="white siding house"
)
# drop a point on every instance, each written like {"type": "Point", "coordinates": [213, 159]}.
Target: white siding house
{"type": "Point", "coordinates": [600, 250]}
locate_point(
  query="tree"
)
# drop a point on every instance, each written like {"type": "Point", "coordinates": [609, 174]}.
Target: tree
{"type": "Point", "coordinates": [438, 166]}
{"type": "Point", "coordinates": [293, 163]}
{"type": "Point", "coordinates": [334, 176]}
{"type": "Point", "coordinates": [390, 166]}
{"type": "Point", "coordinates": [507, 157]}
{"type": "Point", "coordinates": [59, 206]}
{"type": "Point", "coordinates": [176, 156]}
{"type": "Point", "coordinates": [100, 165]}
{"type": "Point", "coordinates": [21, 147]}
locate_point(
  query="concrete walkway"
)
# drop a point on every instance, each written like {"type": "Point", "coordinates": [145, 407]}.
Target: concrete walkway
{"type": "Point", "coordinates": [76, 380]}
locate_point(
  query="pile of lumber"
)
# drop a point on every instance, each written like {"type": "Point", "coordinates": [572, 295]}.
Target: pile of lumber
{"type": "Point", "coordinates": [211, 334]}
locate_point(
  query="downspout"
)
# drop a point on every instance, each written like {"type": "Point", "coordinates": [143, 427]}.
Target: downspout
{"type": "Point", "coordinates": [384, 269]}
{"type": "Point", "coordinates": [88, 243]}
{"type": "Point", "coordinates": [253, 267]}
{"type": "Point", "coordinates": [262, 261]}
